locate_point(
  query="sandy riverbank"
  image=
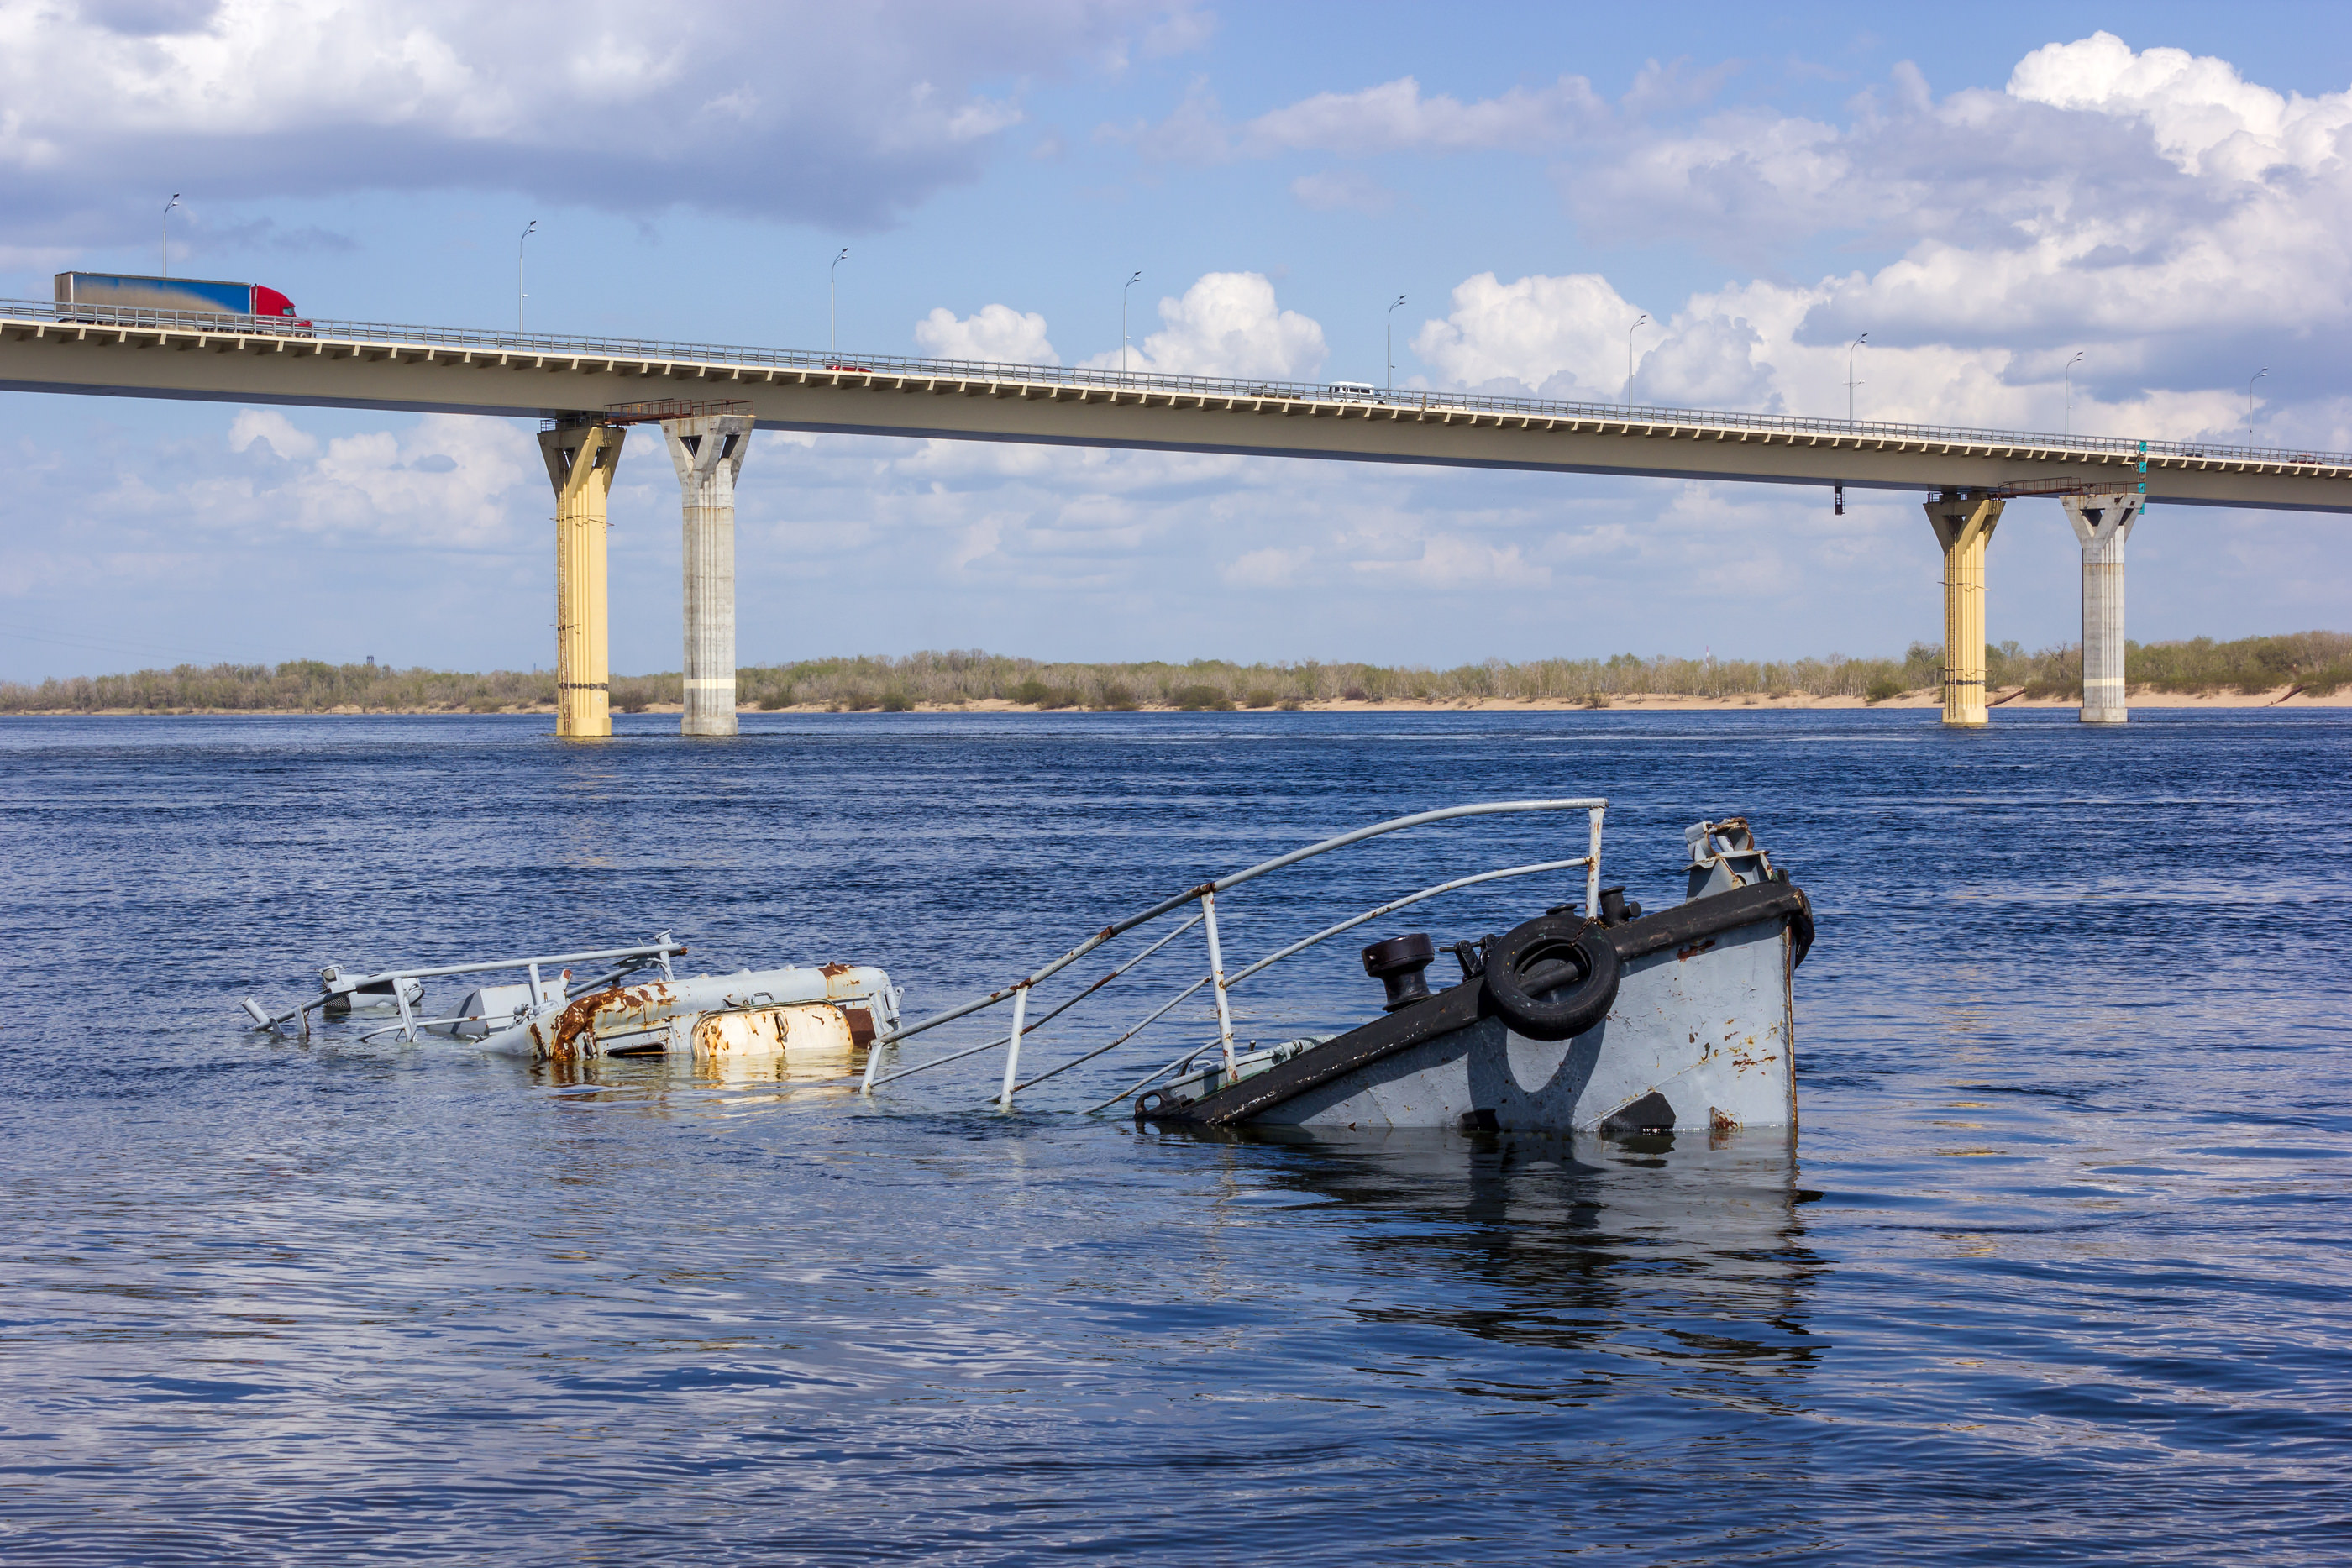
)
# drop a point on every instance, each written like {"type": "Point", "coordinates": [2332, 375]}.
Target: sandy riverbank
{"type": "Point", "coordinates": [2010, 698]}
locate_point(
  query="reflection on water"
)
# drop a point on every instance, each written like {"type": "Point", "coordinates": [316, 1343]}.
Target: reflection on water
{"type": "Point", "coordinates": [1568, 1243]}
{"type": "Point", "coordinates": [697, 1070]}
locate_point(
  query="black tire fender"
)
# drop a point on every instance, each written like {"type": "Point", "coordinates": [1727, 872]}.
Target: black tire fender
{"type": "Point", "coordinates": [1575, 999]}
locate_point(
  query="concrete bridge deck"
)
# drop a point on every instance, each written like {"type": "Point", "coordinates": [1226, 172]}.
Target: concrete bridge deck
{"type": "Point", "coordinates": [45, 347]}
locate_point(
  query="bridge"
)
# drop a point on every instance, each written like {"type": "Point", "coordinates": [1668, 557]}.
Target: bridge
{"type": "Point", "coordinates": [708, 399]}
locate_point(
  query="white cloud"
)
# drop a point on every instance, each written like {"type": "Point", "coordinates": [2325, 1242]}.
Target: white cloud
{"type": "Point", "coordinates": [1450, 561]}
{"type": "Point", "coordinates": [1266, 568]}
{"type": "Point", "coordinates": [273, 430]}
{"type": "Point", "coordinates": [1564, 337]}
{"type": "Point", "coordinates": [2151, 208]}
{"type": "Point", "coordinates": [996, 334]}
{"type": "Point", "coordinates": [1350, 190]}
{"type": "Point", "coordinates": [2203, 114]}
{"type": "Point", "coordinates": [798, 109]}
{"type": "Point", "coordinates": [1392, 117]}
{"type": "Point", "coordinates": [2103, 197]}
{"type": "Point", "coordinates": [447, 481]}
{"type": "Point", "coordinates": [1395, 117]}
{"type": "Point", "coordinates": [1227, 324]}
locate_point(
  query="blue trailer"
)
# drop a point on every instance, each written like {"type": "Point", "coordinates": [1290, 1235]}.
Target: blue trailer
{"type": "Point", "coordinates": [107, 296]}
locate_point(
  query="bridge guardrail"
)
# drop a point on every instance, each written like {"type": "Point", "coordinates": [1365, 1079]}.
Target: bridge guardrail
{"type": "Point", "coordinates": [401, 334]}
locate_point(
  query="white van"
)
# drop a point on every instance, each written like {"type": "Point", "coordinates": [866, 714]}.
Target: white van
{"type": "Point", "coordinates": [1352, 392]}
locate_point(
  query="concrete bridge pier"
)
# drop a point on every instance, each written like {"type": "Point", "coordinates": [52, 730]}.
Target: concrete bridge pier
{"type": "Point", "coordinates": [2102, 522]}
{"type": "Point", "coordinates": [1964, 526]}
{"type": "Point", "coordinates": [581, 456]}
{"type": "Point", "coordinates": [707, 450]}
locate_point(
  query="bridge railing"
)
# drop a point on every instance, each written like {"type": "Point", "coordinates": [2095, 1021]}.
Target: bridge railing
{"type": "Point", "coordinates": [391, 334]}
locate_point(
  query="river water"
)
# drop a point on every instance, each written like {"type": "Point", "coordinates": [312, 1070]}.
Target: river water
{"type": "Point", "coordinates": [2056, 1270]}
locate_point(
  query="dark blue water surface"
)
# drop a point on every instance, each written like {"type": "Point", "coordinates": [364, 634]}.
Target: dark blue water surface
{"type": "Point", "coordinates": [2054, 1272]}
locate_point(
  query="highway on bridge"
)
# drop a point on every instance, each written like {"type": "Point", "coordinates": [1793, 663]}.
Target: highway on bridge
{"type": "Point", "coordinates": [586, 385]}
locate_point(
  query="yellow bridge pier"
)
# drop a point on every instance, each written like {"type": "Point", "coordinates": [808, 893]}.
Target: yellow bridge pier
{"type": "Point", "coordinates": [581, 457]}
{"type": "Point", "coordinates": [1964, 526]}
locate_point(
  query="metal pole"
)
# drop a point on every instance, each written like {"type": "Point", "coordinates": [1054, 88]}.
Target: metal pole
{"type": "Point", "coordinates": [1629, 358]}
{"type": "Point", "coordinates": [1391, 353]}
{"type": "Point", "coordinates": [2066, 426]}
{"type": "Point", "coordinates": [1123, 322]}
{"type": "Point", "coordinates": [1593, 870]}
{"type": "Point", "coordinates": [167, 232]}
{"type": "Point", "coordinates": [2250, 402]}
{"type": "Point", "coordinates": [1012, 1047]}
{"type": "Point", "coordinates": [833, 302]}
{"type": "Point", "coordinates": [520, 295]}
{"type": "Point", "coordinates": [1217, 981]}
{"type": "Point", "coordinates": [1850, 382]}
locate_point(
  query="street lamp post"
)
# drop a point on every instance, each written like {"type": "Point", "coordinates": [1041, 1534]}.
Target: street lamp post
{"type": "Point", "coordinates": [520, 295]}
{"type": "Point", "coordinates": [167, 232]}
{"type": "Point", "coordinates": [1636, 326]}
{"type": "Point", "coordinates": [1850, 382]}
{"type": "Point", "coordinates": [1392, 349]}
{"type": "Point", "coordinates": [832, 304]}
{"type": "Point", "coordinates": [1123, 322]}
{"type": "Point", "coordinates": [2250, 402]}
{"type": "Point", "coordinates": [2067, 427]}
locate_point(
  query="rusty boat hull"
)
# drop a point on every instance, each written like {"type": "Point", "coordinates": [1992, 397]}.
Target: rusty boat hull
{"type": "Point", "coordinates": [822, 1012]}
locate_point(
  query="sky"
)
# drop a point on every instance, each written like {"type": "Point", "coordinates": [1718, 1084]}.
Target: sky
{"type": "Point", "coordinates": [1987, 192]}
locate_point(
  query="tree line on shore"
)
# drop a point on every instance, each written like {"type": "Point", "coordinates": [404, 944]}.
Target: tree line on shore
{"type": "Point", "coordinates": [2319, 661]}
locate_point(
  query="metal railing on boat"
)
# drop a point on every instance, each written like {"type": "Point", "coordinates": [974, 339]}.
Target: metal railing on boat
{"type": "Point", "coordinates": [1219, 983]}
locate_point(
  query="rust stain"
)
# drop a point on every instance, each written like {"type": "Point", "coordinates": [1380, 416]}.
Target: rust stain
{"type": "Point", "coordinates": [1721, 1123]}
{"type": "Point", "coordinates": [1686, 954]}
{"type": "Point", "coordinates": [832, 971]}
{"type": "Point", "coordinates": [580, 1017]}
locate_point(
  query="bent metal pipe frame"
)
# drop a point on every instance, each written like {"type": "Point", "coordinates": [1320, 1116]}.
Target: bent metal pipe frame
{"type": "Point", "coordinates": [656, 953]}
{"type": "Point", "coordinates": [1594, 806]}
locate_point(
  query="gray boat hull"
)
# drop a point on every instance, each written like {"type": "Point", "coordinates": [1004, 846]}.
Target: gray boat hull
{"type": "Point", "coordinates": [1701, 1034]}
{"type": "Point", "coordinates": [1708, 1034]}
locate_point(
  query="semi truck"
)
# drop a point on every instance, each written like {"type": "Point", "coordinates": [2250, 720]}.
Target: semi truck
{"type": "Point", "coordinates": [107, 296]}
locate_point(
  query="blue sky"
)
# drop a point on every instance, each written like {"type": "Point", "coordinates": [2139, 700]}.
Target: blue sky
{"type": "Point", "coordinates": [1987, 191]}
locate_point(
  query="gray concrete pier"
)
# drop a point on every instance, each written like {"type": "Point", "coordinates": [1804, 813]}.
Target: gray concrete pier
{"type": "Point", "coordinates": [2103, 522]}
{"type": "Point", "coordinates": [709, 451]}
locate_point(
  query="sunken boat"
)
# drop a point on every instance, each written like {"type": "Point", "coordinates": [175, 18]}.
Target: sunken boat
{"type": "Point", "coordinates": [804, 1016]}
{"type": "Point", "coordinates": [1619, 1022]}
{"type": "Point", "coordinates": [1587, 1016]}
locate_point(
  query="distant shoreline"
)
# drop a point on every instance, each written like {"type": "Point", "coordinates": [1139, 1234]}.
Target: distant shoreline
{"type": "Point", "coordinates": [2010, 698]}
